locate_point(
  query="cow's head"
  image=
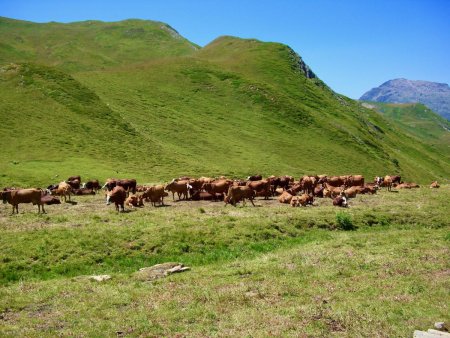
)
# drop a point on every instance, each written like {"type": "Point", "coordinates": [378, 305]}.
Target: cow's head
{"type": "Point", "coordinates": [344, 201]}
{"type": "Point", "coordinates": [169, 185]}
{"type": "Point", "coordinates": [6, 196]}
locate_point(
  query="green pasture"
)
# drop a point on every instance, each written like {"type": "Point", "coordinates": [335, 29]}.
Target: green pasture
{"type": "Point", "coordinates": [263, 270]}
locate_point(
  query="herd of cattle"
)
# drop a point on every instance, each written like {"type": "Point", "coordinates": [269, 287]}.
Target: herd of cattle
{"type": "Point", "coordinates": [123, 192]}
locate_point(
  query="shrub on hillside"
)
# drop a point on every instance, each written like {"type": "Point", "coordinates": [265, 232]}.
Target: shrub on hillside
{"type": "Point", "coordinates": [344, 221]}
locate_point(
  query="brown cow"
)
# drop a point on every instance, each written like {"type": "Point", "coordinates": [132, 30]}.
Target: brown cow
{"type": "Point", "coordinates": [206, 179]}
{"type": "Point", "coordinates": [179, 187]}
{"type": "Point", "coordinates": [322, 179]}
{"type": "Point", "coordinates": [295, 188]}
{"type": "Point", "coordinates": [285, 197]}
{"type": "Point", "coordinates": [331, 191]}
{"type": "Point", "coordinates": [308, 184]}
{"type": "Point", "coordinates": [196, 184]}
{"type": "Point", "coordinates": [197, 195]}
{"type": "Point", "coordinates": [280, 182]}
{"type": "Point", "coordinates": [261, 187]}
{"type": "Point", "coordinates": [134, 201]}
{"type": "Point", "coordinates": [240, 183]}
{"type": "Point", "coordinates": [387, 181]}
{"type": "Point", "coordinates": [351, 192]}
{"type": "Point", "coordinates": [91, 184]}
{"type": "Point", "coordinates": [302, 200]}
{"type": "Point", "coordinates": [354, 180]}
{"type": "Point", "coordinates": [217, 187]}
{"type": "Point", "coordinates": [48, 199]}
{"type": "Point", "coordinates": [127, 184]}
{"type": "Point", "coordinates": [118, 196]}
{"type": "Point", "coordinates": [73, 178]}
{"type": "Point", "coordinates": [396, 179]}
{"type": "Point", "coordinates": [367, 189]}
{"type": "Point", "coordinates": [340, 201]}
{"type": "Point", "coordinates": [15, 197]}
{"type": "Point", "coordinates": [318, 190]}
{"type": "Point", "coordinates": [335, 181]}
{"type": "Point", "coordinates": [434, 184]}
{"type": "Point", "coordinates": [405, 185]}
{"type": "Point", "coordinates": [63, 189]}
{"type": "Point", "coordinates": [75, 184]}
{"type": "Point", "coordinates": [239, 193]}
{"type": "Point", "coordinates": [83, 191]}
{"type": "Point", "coordinates": [155, 194]}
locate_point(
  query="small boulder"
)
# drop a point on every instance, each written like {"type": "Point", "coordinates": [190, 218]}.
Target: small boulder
{"type": "Point", "coordinates": [100, 278]}
{"type": "Point", "coordinates": [441, 326]}
{"type": "Point", "coordinates": [159, 271]}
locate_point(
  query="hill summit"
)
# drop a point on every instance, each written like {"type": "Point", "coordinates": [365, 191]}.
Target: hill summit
{"type": "Point", "coordinates": [432, 94]}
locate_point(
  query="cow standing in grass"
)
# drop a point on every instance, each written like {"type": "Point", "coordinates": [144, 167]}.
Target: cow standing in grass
{"type": "Point", "coordinates": [180, 187]}
{"type": "Point", "coordinates": [155, 194]}
{"type": "Point", "coordinates": [118, 196]}
{"type": "Point", "coordinates": [238, 193]}
{"type": "Point", "coordinates": [15, 197]}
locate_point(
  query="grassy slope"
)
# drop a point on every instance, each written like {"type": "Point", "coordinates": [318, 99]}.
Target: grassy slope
{"type": "Point", "coordinates": [418, 120]}
{"type": "Point", "coordinates": [255, 271]}
{"type": "Point", "coordinates": [219, 113]}
{"type": "Point", "coordinates": [53, 124]}
{"type": "Point", "coordinates": [235, 107]}
{"type": "Point", "coordinates": [89, 44]}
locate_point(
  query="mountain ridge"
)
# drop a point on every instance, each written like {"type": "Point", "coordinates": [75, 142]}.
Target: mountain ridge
{"type": "Point", "coordinates": [433, 94]}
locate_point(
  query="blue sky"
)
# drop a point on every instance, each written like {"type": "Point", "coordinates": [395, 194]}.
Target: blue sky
{"type": "Point", "coordinates": [353, 45]}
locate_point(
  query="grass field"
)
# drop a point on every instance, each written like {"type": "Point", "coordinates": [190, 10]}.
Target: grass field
{"type": "Point", "coordinates": [255, 271]}
{"type": "Point", "coordinates": [133, 99]}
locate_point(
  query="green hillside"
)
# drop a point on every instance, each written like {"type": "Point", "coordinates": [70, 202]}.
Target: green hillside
{"type": "Point", "coordinates": [161, 109]}
{"type": "Point", "coordinates": [89, 44]}
{"type": "Point", "coordinates": [418, 120]}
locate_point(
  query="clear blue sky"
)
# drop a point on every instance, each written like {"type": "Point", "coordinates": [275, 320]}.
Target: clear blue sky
{"type": "Point", "coordinates": [353, 45]}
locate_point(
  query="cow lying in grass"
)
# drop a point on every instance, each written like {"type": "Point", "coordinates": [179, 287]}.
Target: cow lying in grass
{"type": "Point", "coordinates": [340, 201]}
{"type": "Point", "coordinates": [134, 201]}
{"type": "Point", "coordinates": [302, 200]}
{"type": "Point", "coordinates": [434, 185]}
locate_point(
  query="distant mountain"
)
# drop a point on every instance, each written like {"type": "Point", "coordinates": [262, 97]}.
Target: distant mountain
{"type": "Point", "coordinates": [432, 94]}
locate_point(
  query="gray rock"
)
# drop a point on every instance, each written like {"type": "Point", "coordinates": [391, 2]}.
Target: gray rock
{"type": "Point", "coordinates": [100, 278]}
{"type": "Point", "coordinates": [159, 271]}
{"type": "Point", "coordinates": [441, 326]}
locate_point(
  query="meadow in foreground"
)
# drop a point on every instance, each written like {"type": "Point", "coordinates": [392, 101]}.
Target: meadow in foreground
{"type": "Point", "coordinates": [255, 271]}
